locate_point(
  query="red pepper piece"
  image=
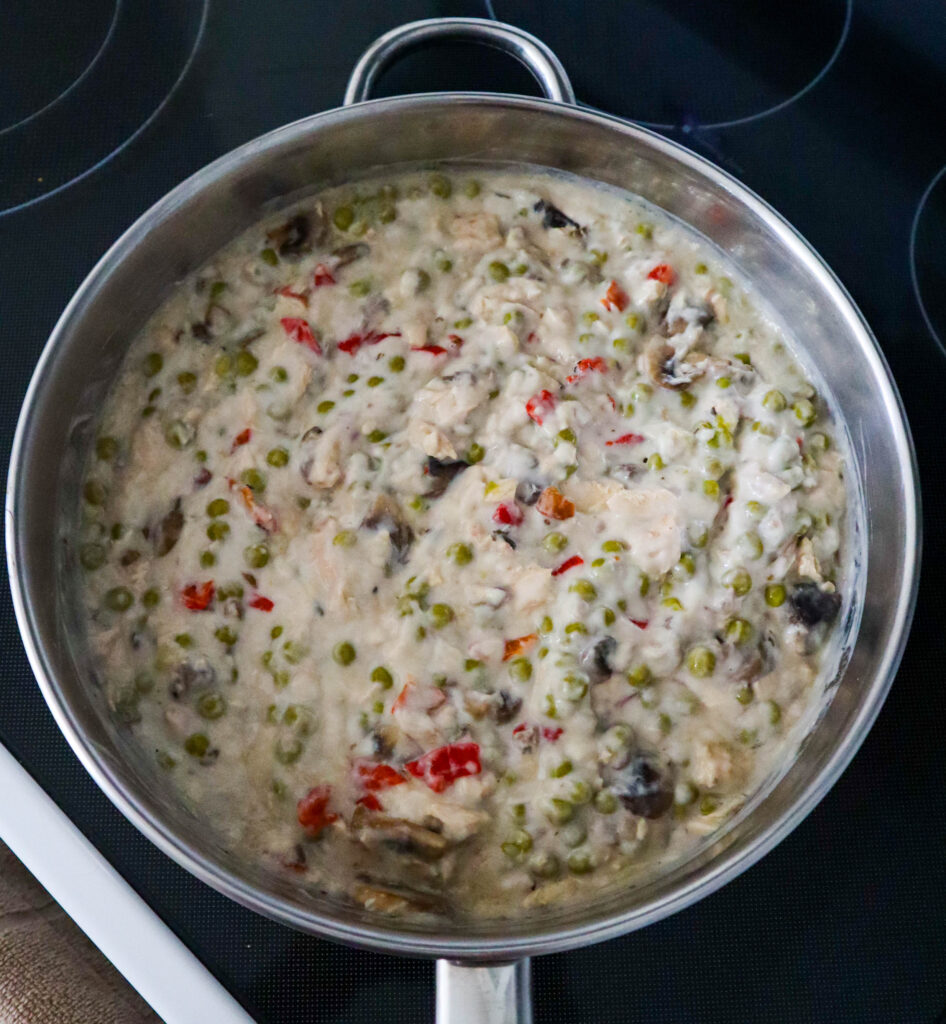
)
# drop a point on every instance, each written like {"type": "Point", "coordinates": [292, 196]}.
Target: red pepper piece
{"type": "Point", "coordinates": [262, 603]}
{"type": "Point", "coordinates": [626, 439]}
{"type": "Point", "coordinates": [197, 597]}
{"type": "Point", "coordinates": [519, 645]}
{"type": "Point", "coordinates": [554, 505]}
{"type": "Point", "coordinates": [455, 339]}
{"type": "Point", "coordinates": [290, 294]}
{"type": "Point", "coordinates": [370, 801]}
{"type": "Point", "coordinates": [300, 332]}
{"type": "Point", "coordinates": [378, 776]}
{"type": "Point", "coordinates": [569, 563]}
{"type": "Point", "coordinates": [353, 342]}
{"type": "Point", "coordinates": [585, 366]}
{"type": "Point", "coordinates": [641, 623]}
{"type": "Point", "coordinates": [312, 810]}
{"type": "Point", "coordinates": [203, 477]}
{"type": "Point", "coordinates": [434, 350]}
{"type": "Point", "coordinates": [540, 405]}
{"type": "Point", "coordinates": [551, 733]}
{"type": "Point", "coordinates": [322, 276]}
{"type": "Point", "coordinates": [442, 767]}
{"type": "Point", "coordinates": [507, 513]}
{"type": "Point", "coordinates": [242, 438]}
{"type": "Point", "coordinates": [615, 298]}
{"type": "Point", "coordinates": [531, 337]}
{"type": "Point", "coordinates": [663, 272]}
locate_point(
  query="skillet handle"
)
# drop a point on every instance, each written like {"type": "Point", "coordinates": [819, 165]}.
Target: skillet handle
{"type": "Point", "coordinates": [531, 52]}
{"type": "Point", "coordinates": [493, 994]}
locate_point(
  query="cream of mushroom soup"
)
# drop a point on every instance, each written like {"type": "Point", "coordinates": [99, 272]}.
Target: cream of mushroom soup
{"type": "Point", "coordinates": [463, 542]}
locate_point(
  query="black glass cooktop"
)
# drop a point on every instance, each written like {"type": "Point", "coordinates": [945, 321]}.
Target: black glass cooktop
{"type": "Point", "coordinates": [833, 110]}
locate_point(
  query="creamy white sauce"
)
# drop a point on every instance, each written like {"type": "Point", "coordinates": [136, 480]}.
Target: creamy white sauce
{"type": "Point", "coordinates": [422, 471]}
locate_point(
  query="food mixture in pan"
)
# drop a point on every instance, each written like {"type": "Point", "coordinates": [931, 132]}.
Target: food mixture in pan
{"type": "Point", "coordinates": [463, 541]}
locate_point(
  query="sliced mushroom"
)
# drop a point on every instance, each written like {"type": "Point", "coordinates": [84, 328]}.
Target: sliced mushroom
{"type": "Point", "coordinates": [387, 515]}
{"type": "Point", "coordinates": [699, 315]}
{"type": "Point", "coordinates": [395, 899]}
{"type": "Point", "coordinates": [528, 491]}
{"type": "Point", "coordinates": [812, 605]}
{"type": "Point", "coordinates": [399, 834]}
{"type": "Point", "coordinates": [505, 707]}
{"type": "Point", "coordinates": [443, 471]}
{"type": "Point", "coordinates": [297, 236]}
{"type": "Point", "coordinates": [168, 531]}
{"type": "Point", "coordinates": [552, 217]}
{"type": "Point", "coordinates": [195, 674]}
{"type": "Point", "coordinates": [666, 370]}
{"type": "Point", "coordinates": [641, 787]}
{"type": "Point", "coordinates": [349, 253]}
{"type": "Point", "coordinates": [594, 660]}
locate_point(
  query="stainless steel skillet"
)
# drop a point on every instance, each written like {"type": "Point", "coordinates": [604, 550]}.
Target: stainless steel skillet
{"type": "Point", "coordinates": [482, 969]}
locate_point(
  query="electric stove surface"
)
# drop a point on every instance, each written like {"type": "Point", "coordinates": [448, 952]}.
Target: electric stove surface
{"type": "Point", "coordinates": [832, 110]}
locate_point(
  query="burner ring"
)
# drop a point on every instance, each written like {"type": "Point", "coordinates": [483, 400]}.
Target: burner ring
{"type": "Point", "coordinates": [929, 316]}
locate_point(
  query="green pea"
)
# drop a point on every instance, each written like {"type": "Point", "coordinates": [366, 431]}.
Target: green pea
{"type": "Point", "coordinates": [92, 556]}
{"type": "Point", "coordinates": [738, 632]}
{"type": "Point", "coordinates": [269, 256]}
{"type": "Point", "coordinates": [775, 595]}
{"type": "Point", "coordinates": [326, 406]}
{"type": "Point", "coordinates": [277, 457]}
{"type": "Point", "coordinates": [774, 401]}
{"type": "Point", "coordinates": [686, 564]}
{"type": "Point", "coordinates": [723, 382]}
{"type": "Point", "coordinates": [223, 364]}
{"type": "Point", "coordinates": [179, 434]}
{"type": "Point", "coordinates": [218, 507]}
{"type": "Point", "coordinates": [279, 374]}
{"type": "Point", "coordinates": [551, 710]}
{"type": "Point", "coordinates": [775, 713]}
{"type": "Point", "coordinates": [153, 364]}
{"type": "Point", "coordinates": [752, 544]}
{"type": "Point", "coordinates": [396, 364]}
{"type": "Point", "coordinates": [207, 559]}
{"type": "Point", "coordinates": [118, 599]}
{"type": "Point", "coordinates": [471, 189]}
{"type": "Point", "coordinates": [343, 653]}
{"type": "Point", "coordinates": [640, 676]}
{"type": "Point", "coordinates": [94, 492]}
{"type": "Point", "coordinates": [558, 811]}
{"type": "Point", "coordinates": [460, 324]}
{"type": "Point", "coordinates": [711, 488]}
{"type": "Point", "coordinates": [745, 695]}
{"type": "Point", "coordinates": [804, 412]}
{"type": "Point", "coordinates": [755, 509]}
{"type": "Point", "coordinates": [673, 603]}
{"type": "Point", "coordinates": [359, 289]}
{"type": "Point", "coordinates": [343, 217]}
{"type": "Point", "coordinates": [200, 455]}
{"type": "Point", "coordinates": [645, 230]}
{"type": "Point", "coordinates": [546, 625]}
{"type": "Point", "coordinates": [613, 545]}
{"type": "Point", "coordinates": [288, 751]}
{"type": "Point", "coordinates": [440, 186]}
{"type": "Point", "coordinates": [475, 453]}
{"type": "Point", "coordinates": [345, 539]}
{"type": "Point", "coordinates": [226, 635]}
{"type": "Point", "coordinates": [294, 652]}
{"type": "Point", "coordinates": [701, 268]}
{"type": "Point", "coordinates": [688, 400]}
{"type": "Point", "coordinates": [253, 479]}
{"type": "Point", "coordinates": [608, 616]}
{"type": "Point", "coordinates": [187, 381]}
{"type": "Point", "coordinates": [585, 589]}
{"type": "Point", "coordinates": [444, 265]}
{"type": "Point", "coordinates": [700, 662]}
{"type": "Point", "coordinates": [521, 669]}
{"type": "Point", "coordinates": [708, 805]}
{"type": "Point", "coordinates": [462, 554]}
{"type": "Point", "coordinates": [579, 792]}
{"type": "Point", "coordinates": [197, 744]}
{"type": "Point", "coordinates": [281, 679]}
{"type": "Point", "coordinates": [575, 687]}
{"type": "Point", "coordinates": [246, 363]}
{"type": "Point", "coordinates": [580, 862]}
{"type": "Point", "coordinates": [377, 436]}
{"type": "Point", "coordinates": [151, 598]}
{"type": "Point", "coordinates": [184, 640]}
{"type": "Point", "coordinates": [229, 590]}
{"type": "Point", "coordinates": [218, 529]}
{"type": "Point", "coordinates": [383, 677]}
{"type": "Point", "coordinates": [739, 580]}
{"type": "Point", "coordinates": [256, 556]}
{"type": "Point", "coordinates": [576, 627]}
{"type": "Point", "coordinates": [498, 271]}
{"type": "Point", "coordinates": [555, 542]}
{"type": "Point", "coordinates": [211, 705]}
{"type": "Point", "coordinates": [276, 632]}
{"type": "Point", "coordinates": [441, 614]}
{"type": "Point", "coordinates": [544, 864]}
{"type": "Point", "coordinates": [605, 801]}
{"type": "Point", "coordinates": [518, 843]}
